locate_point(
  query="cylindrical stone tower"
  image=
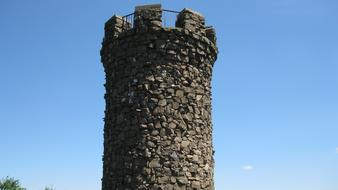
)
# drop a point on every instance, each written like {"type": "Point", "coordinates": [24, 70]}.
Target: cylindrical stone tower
{"type": "Point", "coordinates": [158, 131]}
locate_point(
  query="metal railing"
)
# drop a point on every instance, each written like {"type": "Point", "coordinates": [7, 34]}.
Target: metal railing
{"type": "Point", "coordinates": [128, 21]}
{"type": "Point", "coordinates": [168, 19]}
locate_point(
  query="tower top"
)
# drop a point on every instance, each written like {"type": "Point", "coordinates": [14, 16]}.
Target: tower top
{"type": "Point", "coordinates": [153, 17]}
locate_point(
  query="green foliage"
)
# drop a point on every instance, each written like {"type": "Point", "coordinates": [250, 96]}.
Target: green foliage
{"type": "Point", "coordinates": [10, 184]}
{"type": "Point", "coordinates": [14, 184]}
{"type": "Point", "coordinates": [49, 188]}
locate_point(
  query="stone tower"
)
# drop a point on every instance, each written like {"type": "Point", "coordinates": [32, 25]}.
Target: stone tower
{"type": "Point", "coordinates": [158, 131]}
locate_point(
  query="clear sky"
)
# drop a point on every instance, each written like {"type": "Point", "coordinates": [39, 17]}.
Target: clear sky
{"type": "Point", "coordinates": [275, 91]}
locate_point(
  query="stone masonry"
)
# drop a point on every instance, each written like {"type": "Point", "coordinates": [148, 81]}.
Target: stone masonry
{"type": "Point", "coordinates": [158, 131]}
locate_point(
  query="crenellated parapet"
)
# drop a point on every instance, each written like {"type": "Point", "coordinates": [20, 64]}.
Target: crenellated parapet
{"type": "Point", "coordinates": [191, 21]}
{"type": "Point", "coordinates": [114, 26]}
{"type": "Point", "coordinates": [150, 18]}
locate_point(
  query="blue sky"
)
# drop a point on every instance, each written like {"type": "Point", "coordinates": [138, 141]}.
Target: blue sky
{"type": "Point", "coordinates": [275, 89]}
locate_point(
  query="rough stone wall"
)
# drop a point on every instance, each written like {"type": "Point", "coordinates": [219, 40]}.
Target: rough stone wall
{"type": "Point", "coordinates": [158, 131]}
{"type": "Point", "coordinates": [191, 20]}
